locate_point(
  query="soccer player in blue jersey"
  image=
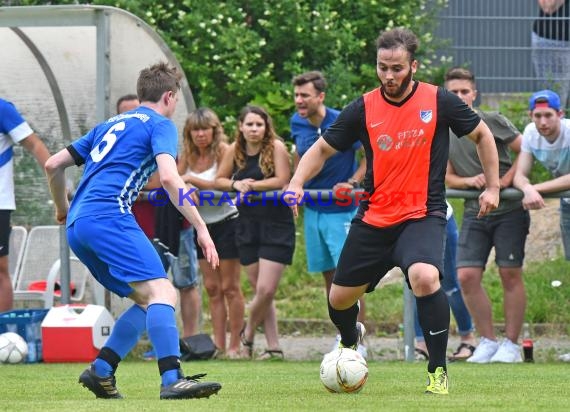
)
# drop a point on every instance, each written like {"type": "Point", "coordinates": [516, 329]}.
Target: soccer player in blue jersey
{"type": "Point", "coordinates": [119, 155]}
{"type": "Point", "coordinates": [13, 130]}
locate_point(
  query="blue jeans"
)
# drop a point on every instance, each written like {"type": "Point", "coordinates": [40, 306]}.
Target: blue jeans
{"type": "Point", "coordinates": [185, 266]}
{"type": "Point", "coordinates": [565, 225]}
{"type": "Point", "coordinates": [451, 287]}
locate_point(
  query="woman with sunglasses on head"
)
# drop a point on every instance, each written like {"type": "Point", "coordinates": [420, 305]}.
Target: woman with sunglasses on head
{"type": "Point", "coordinates": [204, 146]}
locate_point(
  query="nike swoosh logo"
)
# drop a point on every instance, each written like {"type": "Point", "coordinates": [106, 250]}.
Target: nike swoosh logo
{"type": "Point", "coordinates": [375, 124]}
{"type": "Point", "coordinates": [437, 333]}
{"type": "Point", "coordinates": [1, 247]}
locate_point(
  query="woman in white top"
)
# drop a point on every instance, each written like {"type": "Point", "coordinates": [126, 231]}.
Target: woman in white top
{"type": "Point", "coordinates": [204, 146]}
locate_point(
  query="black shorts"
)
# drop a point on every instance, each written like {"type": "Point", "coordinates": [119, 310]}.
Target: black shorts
{"type": "Point", "coordinates": [272, 240]}
{"type": "Point", "coordinates": [370, 252]}
{"type": "Point", "coordinates": [5, 230]}
{"type": "Point", "coordinates": [223, 233]}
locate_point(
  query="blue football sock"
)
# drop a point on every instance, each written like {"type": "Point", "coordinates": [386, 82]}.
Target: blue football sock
{"type": "Point", "coordinates": [169, 377]}
{"type": "Point", "coordinates": [126, 333]}
{"type": "Point", "coordinates": [162, 331]}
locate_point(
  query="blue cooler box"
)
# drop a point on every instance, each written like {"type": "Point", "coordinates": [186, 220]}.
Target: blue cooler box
{"type": "Point", "coordinates": [26, 323]}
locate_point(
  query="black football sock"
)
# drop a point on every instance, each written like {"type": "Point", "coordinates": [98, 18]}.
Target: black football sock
{"type": "Point", "coordinates": [433, 314]}
{"type": "Point", "coordinates": [345, 321]}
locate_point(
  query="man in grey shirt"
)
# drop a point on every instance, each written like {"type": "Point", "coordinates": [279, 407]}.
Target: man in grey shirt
{"type": "Point", "coordinates": [505, 229]}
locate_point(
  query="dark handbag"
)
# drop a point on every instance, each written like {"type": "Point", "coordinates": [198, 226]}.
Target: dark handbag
{"type": "Point", "coordinates": [197, 347]}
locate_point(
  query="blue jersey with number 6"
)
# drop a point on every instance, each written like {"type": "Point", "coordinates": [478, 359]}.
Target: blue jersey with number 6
{"type": "Point", "coordinates": [119, 156]}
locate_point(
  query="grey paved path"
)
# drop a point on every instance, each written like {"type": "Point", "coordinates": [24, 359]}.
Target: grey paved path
{"type": "Point", "coordinates": [379, 349]}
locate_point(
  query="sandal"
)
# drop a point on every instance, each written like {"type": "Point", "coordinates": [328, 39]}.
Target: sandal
{"type": "Point", "coordinates": [247, 345]}
{"type": "Point", "coordinates": [421, 355]}
{"type": "Point", "coordinates": [271, 355]}
{"type": "Point", "coordinates": [456, 355]}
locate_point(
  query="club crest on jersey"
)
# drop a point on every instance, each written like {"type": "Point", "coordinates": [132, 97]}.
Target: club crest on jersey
{"type": "Point", "coordinates": [426, 115]}
{"type": "Point", "coordinates": [384, 142]}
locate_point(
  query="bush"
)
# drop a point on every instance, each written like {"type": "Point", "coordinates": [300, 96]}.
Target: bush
{"type": "Point", "coordinates": [237, 52]}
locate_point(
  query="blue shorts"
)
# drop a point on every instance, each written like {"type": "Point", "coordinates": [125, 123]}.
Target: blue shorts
{"type": "Point", "coordinates": [325, 234]}
{"type": "Point", "coordinates": [115, 250]}
{"type": "Point", "coordinates": [185, 267]}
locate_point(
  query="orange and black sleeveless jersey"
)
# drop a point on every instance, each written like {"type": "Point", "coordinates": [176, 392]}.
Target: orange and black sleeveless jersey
{"type": "Point", "coordinates": [407, 146]}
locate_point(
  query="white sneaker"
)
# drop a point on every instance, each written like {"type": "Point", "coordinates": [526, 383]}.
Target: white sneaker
{"type": "Point", "coordinates": [359, 342]}
{"type": "Point", "coordinates": [508, 352]}
{"type": "Point", "coordinates": [362, 350]}
{"type": "Point", "coordinates": [565, 357]}
{"type": "Point", "coordinates": [484, 352]}
{"type": "Point", "coordinates": [336, 343]}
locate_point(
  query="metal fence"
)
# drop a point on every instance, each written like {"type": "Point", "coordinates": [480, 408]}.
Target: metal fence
{"type": "Point", "coordinates": [493, 38]}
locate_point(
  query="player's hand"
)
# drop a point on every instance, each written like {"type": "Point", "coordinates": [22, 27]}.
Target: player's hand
{"type": "Point", "coordinates": [208, 247]}
{"type": "Point", "coordinates": [488, 201]}
{"type": "Point", "coordinates": [292, 196]}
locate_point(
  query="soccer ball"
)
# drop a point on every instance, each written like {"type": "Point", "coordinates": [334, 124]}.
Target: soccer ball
{"type": "Point", "coordinates": [13, 348]}
{"type": "Point", "coordinates": [343, 370]}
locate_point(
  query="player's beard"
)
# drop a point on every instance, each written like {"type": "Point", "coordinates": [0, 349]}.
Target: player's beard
{"type": "Point", "coordinates": [402, 89]}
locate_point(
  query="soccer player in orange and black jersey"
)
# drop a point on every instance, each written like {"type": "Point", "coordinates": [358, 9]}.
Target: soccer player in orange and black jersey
{"type": "Point", "coordinates": [404, 128]}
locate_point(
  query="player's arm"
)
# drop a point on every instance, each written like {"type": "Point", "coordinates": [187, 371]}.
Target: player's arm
{"type": "Point", "coordinates": [174, 185]}
{"type": "Point", "coordinates": [489, 158]}
{"type": "Point", "coordinates": [312, 162]}
{"type": "Point", "coordinates": [358, 175]}
{"type": "Point", "coordinates": [309, 166]}
{"type": "Point", "coordinates": [37, 148]}
{"type": "Point", "coordinates": [55, 171]}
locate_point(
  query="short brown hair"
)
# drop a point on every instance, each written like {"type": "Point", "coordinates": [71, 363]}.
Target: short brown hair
{"type": "Point", "coordinates": [398, 37]}
{"type": "Point", "coordinates": [157, 79]}
{"type": "Point", "coordinates": [460, 73]}
{"type": "Point", "coordinates": [314, 77]}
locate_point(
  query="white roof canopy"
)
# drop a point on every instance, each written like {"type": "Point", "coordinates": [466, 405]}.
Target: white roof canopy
{"type": "Point", "coordinates": [64, 67]}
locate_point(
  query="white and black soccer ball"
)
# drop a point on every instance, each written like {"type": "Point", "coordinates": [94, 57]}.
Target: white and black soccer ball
{"type": "Point", "coordinates": [343, 370]}
{"type": "Point", "coordinates": [13, 348]}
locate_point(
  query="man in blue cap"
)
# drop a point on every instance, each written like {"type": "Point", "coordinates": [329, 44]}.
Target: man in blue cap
{"type": "Point", "coordinates": [547, 138]}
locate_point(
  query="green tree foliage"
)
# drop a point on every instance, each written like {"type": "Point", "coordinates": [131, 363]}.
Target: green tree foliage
{"type": "Point", "coordinates": [236, 52]}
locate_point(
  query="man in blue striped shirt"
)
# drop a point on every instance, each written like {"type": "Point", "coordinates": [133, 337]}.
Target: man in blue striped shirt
{"type": "Point", "coordinates": [13, 129]}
